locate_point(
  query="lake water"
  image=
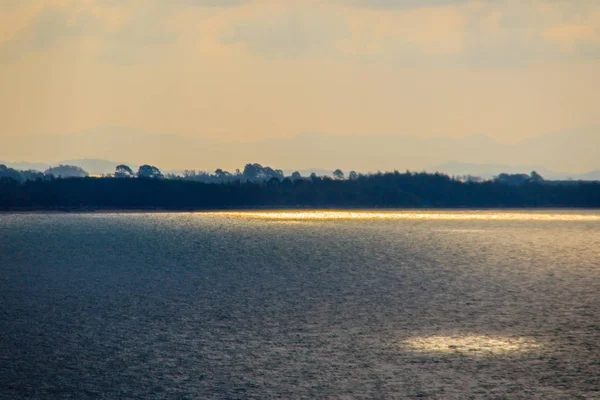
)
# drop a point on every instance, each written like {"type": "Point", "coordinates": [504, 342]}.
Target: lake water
{"type": "Point", "coordinates": [395, 304]}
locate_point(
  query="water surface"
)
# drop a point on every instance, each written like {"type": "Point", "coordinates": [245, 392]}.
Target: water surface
{"type": "Point", "coordinates": [395, 304]}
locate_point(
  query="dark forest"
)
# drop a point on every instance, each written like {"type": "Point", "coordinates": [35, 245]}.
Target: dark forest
{"type": "Point", "coordinates": [264, 187]}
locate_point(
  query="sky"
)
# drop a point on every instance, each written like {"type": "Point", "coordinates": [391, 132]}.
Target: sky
{"type": "Point", "coordinates": [251, 70]}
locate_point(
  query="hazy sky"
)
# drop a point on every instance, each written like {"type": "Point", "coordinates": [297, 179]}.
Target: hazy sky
{"type": "Point", "coordinates": [249, 70]}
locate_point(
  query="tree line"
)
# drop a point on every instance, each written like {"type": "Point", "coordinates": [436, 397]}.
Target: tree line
{"type": "Point", "coordinates": [257, 186]}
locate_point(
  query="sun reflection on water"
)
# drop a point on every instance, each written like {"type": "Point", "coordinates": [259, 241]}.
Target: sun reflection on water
{"type": "Point", "coordinates": [412, 215]}
{"type": "Point", "coordinates": [471, 345]}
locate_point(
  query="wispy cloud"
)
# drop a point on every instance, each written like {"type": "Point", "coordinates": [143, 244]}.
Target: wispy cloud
{"type": "Point", "coordinates": [126, 28]}
{"type": "Point", "coordinates": [403, 4]}
{"type": "Point", "coordinates": [492, 33]}
{"type": "Point", "coordinates": [240, 68]}
{"type": "Point", "coordinates": [288, 34]}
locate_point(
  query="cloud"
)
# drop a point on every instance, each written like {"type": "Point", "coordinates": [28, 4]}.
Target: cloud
{"type": "Point", "coordinates": [125, 28]}
{"type": "Point", "coordinates": [174, 3]}
{"type": "Point", "coordinates": [575, 37]}
{"type": "Point", "coordinates": [287, 34]}
{"type": "Point", "coordinates": [46, 28]}
{"type": "Point", "coordinates": [396, 36]}
{"type": "Point", "coordinates": [212, 3]}
{"type": "Point", "coordinates": [490, 33]}
{"type": "Point", "coordinates": [403, 4]}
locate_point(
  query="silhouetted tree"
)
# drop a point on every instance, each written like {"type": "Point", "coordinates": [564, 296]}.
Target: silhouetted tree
{"type": "Point", "coordinates": [149, 171]}
{"type": "Point", "coordinates": [66, 171]}
{"type": "Point", "coordinates": [9, 173]}
{"type": "Point", "coordinates": [253, 171]}
{"type": "Point", "coordinates": [353, 175]}
{"type": "Point", "coordinates": [221, 174]}
{"type": "Point", "coordinates": [535, 177]}
{"type": "Point", "coordinates": [296, 175]}
{"type": "Point", "coordinates": [123, 171]}
{"type": "Point", "coordinates": [256, 172]}
{"type": "Point", "coordinates": [206, 191]}
{"type": "Point", "coordinates": [469, 178]}
{"type": "Point", "coordinates": [513, 179]}
{"type": "Point", "coordinates": [31, 175]}
{"type": "Point", "coordinates": [189, 173]}
{"type": "Point", "coordinates": [338, 174]}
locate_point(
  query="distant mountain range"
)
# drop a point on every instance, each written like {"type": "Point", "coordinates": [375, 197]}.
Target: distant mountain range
{"type": "Point", "coordinates": [557, 156]}
{"type": "Point", "coordinates": [98, 167]}
{"type": "Point", "coordinates": [93, 166]}
{"type": "Point", "coordinates": [488, 171]}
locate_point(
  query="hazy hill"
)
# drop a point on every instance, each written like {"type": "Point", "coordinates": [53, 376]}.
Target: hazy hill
{"type": "Point", "coordinates": [93, 166]}
{"type": "Point", "coordinates": [570, 153]}
{"type": "Point", "coordinates": [591, 176]}
{"type": "Point", "coordinates": [24, 165]}
{"type": "Point", "coordinates": [488, 171]}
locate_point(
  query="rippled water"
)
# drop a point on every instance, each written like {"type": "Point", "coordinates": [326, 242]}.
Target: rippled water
{"type": "Point", "coordinates": [300, 305]}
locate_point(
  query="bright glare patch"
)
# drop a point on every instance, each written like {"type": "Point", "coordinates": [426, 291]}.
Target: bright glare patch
{"type": "Point", "coordinates": [410, 215]}
{"type": "Point", "coordinates": [471, 345]}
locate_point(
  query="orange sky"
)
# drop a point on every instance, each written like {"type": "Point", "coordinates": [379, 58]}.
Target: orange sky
{"type": "Point", "coordinates": [248, 70]}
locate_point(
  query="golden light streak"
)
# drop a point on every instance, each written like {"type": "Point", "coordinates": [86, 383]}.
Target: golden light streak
{"type": "Point", "coordinates": [412, 215]}
{"type": "Point", "coordinates": [472, 345]}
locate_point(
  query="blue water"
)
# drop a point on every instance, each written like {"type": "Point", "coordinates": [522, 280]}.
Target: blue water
{"type": "Point", "coordinates": [299, 305]}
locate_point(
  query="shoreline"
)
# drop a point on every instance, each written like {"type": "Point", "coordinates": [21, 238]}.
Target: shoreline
{"type": "Point", "coordinates": [296, 209]}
